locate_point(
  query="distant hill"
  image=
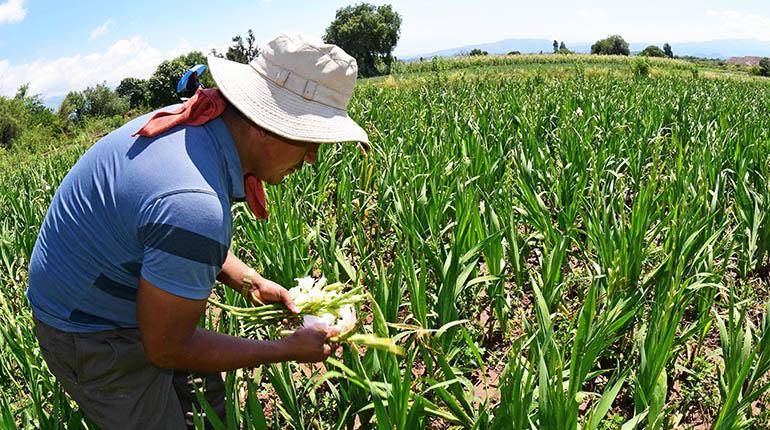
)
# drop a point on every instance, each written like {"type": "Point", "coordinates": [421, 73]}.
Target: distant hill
{"type": "Point", "coordinates": [722, 49]}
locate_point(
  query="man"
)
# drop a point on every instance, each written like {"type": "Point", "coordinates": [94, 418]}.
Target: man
{"type": "Point", "coordinates": [140, 228]}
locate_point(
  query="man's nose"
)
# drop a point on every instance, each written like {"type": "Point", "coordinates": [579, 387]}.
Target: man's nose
{"type": "Point", "coordinates": [311, 157]}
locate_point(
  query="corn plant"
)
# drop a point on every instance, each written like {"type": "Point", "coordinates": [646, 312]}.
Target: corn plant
{"type": "Point", "coordinates": [746, 353]}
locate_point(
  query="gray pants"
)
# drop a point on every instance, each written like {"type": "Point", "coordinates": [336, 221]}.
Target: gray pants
{"type": "Point", "coordinates": [114, 383]}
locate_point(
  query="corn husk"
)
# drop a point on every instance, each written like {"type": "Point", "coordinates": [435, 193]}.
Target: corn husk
{"type": "Point", "coordinates": [320, 305]}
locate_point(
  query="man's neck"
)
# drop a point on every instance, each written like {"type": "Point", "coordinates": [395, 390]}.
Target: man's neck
{"type": "Point", "coordinates": [239, 130]}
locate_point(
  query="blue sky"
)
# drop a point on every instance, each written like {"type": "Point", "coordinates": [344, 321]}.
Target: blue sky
{"type": "Point", "coordinates": [58, 46]}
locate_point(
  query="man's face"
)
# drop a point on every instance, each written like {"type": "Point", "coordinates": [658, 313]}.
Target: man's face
{"type": "Point", "coordinates": [282, 157]}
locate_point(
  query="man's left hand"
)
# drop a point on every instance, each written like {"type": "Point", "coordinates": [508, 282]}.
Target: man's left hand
{"type": "Point", "coordinates": [266, 291]}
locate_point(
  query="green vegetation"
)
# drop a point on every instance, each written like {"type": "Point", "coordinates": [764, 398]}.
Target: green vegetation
{"type": "Point", "coordinates": [599, 63]}
{"type": "Point", "coordinates": [368, 33]}
{"type": "Point", "coordinates": [553, 247]}
{"type": "Point", "coordinates": [612, 45]}
{"type": "Point", "coordinates": [667, 50]}
{"type": "Point", "coordinates": [561, 48]}
{"type": "Point", "coordinates": [763, 69]}
{"type": "Point", "coordinates": [641, 67]}
{"type": "Point", "coordinates": [439, 64]}
{"type": "Point", "coordinates": [25, 118]}
{"type": "Point", "coordinates": [653, 51]}
{"type": "Point", "coordinates": [239, 51]}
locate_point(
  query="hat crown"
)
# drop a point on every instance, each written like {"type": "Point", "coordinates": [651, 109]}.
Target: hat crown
{"type": "Point", "coordinates": [324, 64]}
{"type": "Point", "coordinates": [298, 88]}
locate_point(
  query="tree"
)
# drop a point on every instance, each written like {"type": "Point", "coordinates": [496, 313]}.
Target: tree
{"type": "Point", "coordinates": [555, 46]}
{"type": "Point", "coordinates": [36, 111]}
{"type": "Point", "coordinates": [161, 87]}
{"type": "Point", "coordinates": [652, 51]}
{"type": "Point", "coordinates": [134, 90]}
{"type": "Point", "coordinates": [563, 49]}
{"type": "Point", "coordinates": [368, 33]}
{"type": "Point", "coordinates": [764, 67]}
{"type": "Point", "coordinates": [240, 52]}
{"type": "Point", "coordinates": [667, 50]}
{"type": "Point", "coordinates": [612, 45]}
{"type": "Point", "coordinates": [100, 100]}
{"type": "Point", "coordinates": [11, 113]}
{"type": "Point", "coordinates": [476, 52]}
{"type": "Point", "coordinates": [72, 108]}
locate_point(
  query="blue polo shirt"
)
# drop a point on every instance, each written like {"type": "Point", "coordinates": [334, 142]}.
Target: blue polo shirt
{"type": "Point", "coordinates": [135, 206]}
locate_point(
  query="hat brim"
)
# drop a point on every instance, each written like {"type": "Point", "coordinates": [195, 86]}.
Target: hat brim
{"type": "Point", "coordinates": [280, 110]}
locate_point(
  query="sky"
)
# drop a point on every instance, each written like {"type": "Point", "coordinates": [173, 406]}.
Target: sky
{"type": "Point", "coordinates": [59, 46]}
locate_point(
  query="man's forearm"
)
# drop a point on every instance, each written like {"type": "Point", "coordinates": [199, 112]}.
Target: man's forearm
{"type": "Point", "coordinates": [171, 338]}
{"type": "Point", "coordinates": [207, 351]}
{"type": "Point", "coordinates": [233, 271]}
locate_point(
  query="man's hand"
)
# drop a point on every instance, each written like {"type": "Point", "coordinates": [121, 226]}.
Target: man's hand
{"type": "Point", "coordinates": [267, 291]}
{"type": "Point", "coordinates": [309, 344]}
{"type": "Point", "coordinates": [234, 273]}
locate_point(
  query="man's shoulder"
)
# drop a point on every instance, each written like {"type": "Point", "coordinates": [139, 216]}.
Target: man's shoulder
{"type": "Point", "coordinates": [183, 159]}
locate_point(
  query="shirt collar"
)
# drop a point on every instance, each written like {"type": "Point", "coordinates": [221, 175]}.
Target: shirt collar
{"type": "Point", "coordinates": [229, 153]}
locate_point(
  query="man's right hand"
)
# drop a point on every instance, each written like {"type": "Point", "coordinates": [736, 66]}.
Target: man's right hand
{"type": "Point", "coordinates": [309, 344]}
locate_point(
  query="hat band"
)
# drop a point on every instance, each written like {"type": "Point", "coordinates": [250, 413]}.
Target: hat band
{"type": "Point", "coordinates": [307, 88]}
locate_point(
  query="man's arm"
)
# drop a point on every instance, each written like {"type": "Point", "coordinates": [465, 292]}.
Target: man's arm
{"type": "Point", "coordinates": [171, 338]}
{"type": "Point", "coordinates": [261, 290]}
{"type": "Point", "coordinates": [233, 272]}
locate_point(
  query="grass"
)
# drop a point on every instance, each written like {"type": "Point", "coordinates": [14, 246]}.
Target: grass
{"type": "Point", "coordinates": [553, 247]}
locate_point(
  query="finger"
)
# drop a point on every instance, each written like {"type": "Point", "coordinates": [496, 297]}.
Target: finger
{"type": "Point", "coordinates": [332, 332]}
{"type": "Point", "coordinates": [289, 302]}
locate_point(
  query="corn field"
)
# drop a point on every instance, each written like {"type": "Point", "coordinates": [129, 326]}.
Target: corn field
{"type": "Point", "coordinates": [438, 64]}
{"type": "Point", "coordinates": [552, 252]}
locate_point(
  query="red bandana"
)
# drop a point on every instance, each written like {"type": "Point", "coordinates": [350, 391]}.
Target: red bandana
{"type": "Point", "coordinates": [201, 108]}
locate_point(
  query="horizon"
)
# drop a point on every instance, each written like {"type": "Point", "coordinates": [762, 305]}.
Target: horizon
{"type": "Point", "coordinates": [71, 48]}
{"type": "Point", "coordinates": [589, 42]}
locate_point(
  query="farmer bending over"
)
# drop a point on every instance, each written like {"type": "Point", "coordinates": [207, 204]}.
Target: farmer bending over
{"type": "Point", "coordinates": [140, 228]}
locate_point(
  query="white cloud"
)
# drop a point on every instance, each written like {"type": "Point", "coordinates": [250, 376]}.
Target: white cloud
{"type": "Point", "coordinates": [102, 29]}
{"type": "Point", "coordinates": [740, 25]}
{"type": "Point", "coordinates": [12, 11]}
{"type": "Point", "coordinates": [133, 57]}
{"type": "Point", "coordinates": [718, 24]}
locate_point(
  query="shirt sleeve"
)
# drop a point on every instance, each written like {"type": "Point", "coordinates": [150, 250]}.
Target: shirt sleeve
{"type": "Point", "coordinates": [185, 239]}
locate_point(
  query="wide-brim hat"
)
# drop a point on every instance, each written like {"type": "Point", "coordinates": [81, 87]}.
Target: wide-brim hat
{"type": "Point", "coordinates": [298, 88]}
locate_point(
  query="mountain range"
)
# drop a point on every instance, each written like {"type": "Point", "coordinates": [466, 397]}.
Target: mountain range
{"type": "Point", "coordinates": [722, 49]}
